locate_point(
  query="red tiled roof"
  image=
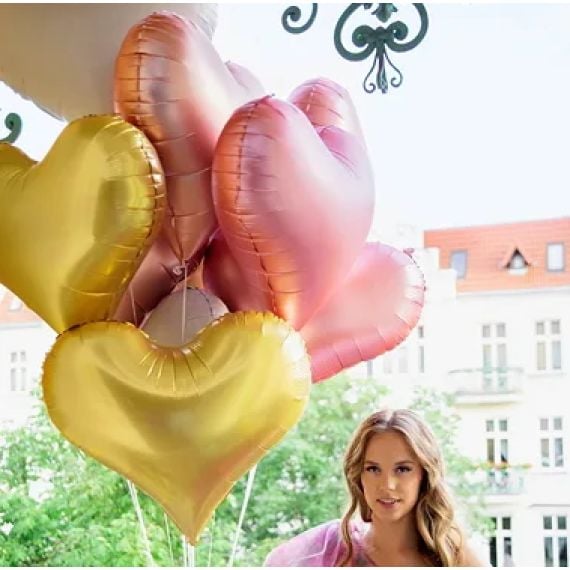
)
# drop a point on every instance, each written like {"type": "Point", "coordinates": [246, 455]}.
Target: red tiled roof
{"type": "Point", "coordinates": [489, 249]}
{"type": "Point", "coordinates": [20, 315]}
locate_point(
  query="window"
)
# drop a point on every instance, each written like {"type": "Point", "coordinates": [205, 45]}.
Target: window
{"type": "Point", "coordinates": [548, 345]}
{"type": "Point", "coordinates": [396, 361]}
{"type": "Point", "coordinates": [370, 369]}
{"type": "Point", "coordinates": [555, 257]}
{"type": "Point", "coordinates": [495, 374]}
{"type": "Point", "coordinates": [517, 265]}
{"type": "Point", "coordinates": [403, 360]}
{"type": "Point", "coordinates": [517, 261]}
{"type": "Point", "coordinates": [501, 542]}
{"type": "Point", "coordinates": [387, 363]}
{"type": "Point", "coordinates": [18, 371]}
{"type": "Point", "coordinates": [555, 540]}
{"type": "Point", "coordinates": [421, 350]}
{"type": "Point", "coordinates": [459, 262]}
{"type": "Point", "coordinates": [551, 442]}
{"type": "Point", "coordinates": [497, 440]}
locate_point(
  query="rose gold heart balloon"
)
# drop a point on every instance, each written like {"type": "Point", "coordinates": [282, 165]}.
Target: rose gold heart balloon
{"type": "Point", "coordinates": [376, 308]}
{"type": "Point", "coordinates": [294, 204]}
{"type": "Point", "coordinates": [224, 277]}
{"type": "Point", "coordinates": [327, 103]}
{"type": "Point", "coordinates": [171, 83]}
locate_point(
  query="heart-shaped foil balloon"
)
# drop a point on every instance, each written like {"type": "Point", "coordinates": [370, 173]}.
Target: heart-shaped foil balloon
{"type": "Point", "coordinates": [374, 310]}
{"type": "Point", "coordinates": [61, 56]}
{"type": "Point", "coordinates": [171, 83]}
{"type": "Point", "coordinates": [294, 202]}
{"type": "Point", "coordinates": [76, 226]}
{"type": "Point", "coordinates": [184, 424]}
{"type": "Point", "coordinates": [178, 317]}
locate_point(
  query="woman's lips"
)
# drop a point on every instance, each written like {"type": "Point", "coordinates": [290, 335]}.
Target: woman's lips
{"type": "Point", "coordinates": [388, 503]}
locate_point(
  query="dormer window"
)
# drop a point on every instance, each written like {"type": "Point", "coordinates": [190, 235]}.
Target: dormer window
{"type": "Point", "coordinates": [515, 262]}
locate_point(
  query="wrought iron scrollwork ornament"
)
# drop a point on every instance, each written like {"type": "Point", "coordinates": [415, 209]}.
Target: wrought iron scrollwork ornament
{"type": "Point", "coordinates": [367, 40]}
{"type": "Point", "coordinates": [13, 123]}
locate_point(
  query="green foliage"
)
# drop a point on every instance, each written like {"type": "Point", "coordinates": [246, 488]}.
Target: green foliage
{"type": "Point", "coordinates": [85, 517]}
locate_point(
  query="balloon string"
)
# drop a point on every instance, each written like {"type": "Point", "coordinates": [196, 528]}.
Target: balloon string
{"type": "Point", "coordinates": [184, 295]}
{"type": "Point", "coordinates": [212, 527]}
{"type": "Point", "coordinates": [191, 555]}
{"type": "Point", "coordinates": [138, 511]}
{"type": "Point", "coordinates": [249, 487]}
{"type": "Point", "coordinates": [184, 552]}
{"type": "Point", "coordinates": [188, 554]}
{"type": "Point", "coordinates": [132, 297]}
{"type": "Point", "coordinates": [169, 539]}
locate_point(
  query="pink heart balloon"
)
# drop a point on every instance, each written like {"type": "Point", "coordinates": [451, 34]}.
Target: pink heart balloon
{"type": "Point", "coordinates": [171, 83]}
{"type": "Point", "coordinates": [326, 103]}
{"type": "Point", "coordinates": [376, 308]}
{"type": "Point", "coordinates": [294, 203]}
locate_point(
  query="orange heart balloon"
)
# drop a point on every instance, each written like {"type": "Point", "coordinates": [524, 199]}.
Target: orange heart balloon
{"type": "Point", "coordinates": [185, 423]}
{"type": "Point", "coordinates": [294, 204]}
{"type": "Point", "coordinates": [171, 83]}
{"type": "Point", "coordinates": [75, 227]}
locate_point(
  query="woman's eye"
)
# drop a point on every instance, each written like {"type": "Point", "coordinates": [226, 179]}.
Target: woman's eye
{"type": "Point", "coordinates": [403, 469]}
{"type": "Point", "coordinates": [372, 469]}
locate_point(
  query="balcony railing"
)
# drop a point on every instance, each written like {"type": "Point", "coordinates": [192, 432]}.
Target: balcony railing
{"type": "Point", "coordinates": [486, 381]}
{"type": "Point", "coordinates": [505, 481]}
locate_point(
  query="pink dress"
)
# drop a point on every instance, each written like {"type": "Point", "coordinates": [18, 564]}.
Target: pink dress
{"type": "Point", "coordinates": [320, 546]}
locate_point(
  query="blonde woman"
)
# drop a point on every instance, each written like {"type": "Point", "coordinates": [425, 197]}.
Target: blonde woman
{"type": "Point", "coordinates": [394, 473]}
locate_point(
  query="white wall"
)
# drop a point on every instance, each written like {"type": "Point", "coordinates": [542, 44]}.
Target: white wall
{"type": "Point", "coordinates": [35, 340]}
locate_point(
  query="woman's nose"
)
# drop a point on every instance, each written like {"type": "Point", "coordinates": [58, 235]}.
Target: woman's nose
{"type": "Point", "coordinates": [387, 481]}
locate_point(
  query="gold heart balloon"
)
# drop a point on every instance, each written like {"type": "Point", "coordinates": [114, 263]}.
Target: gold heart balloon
{"type": "Point", "coordinates": [75, 227]}
{"type": "Point", "coordinates": [184, 423]}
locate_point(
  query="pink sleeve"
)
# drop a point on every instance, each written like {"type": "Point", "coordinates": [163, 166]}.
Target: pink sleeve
{"type": "Point", "coordinates": [319, 546]}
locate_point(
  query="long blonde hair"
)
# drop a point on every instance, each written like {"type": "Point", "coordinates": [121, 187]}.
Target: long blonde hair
{"type": "Point", "coordinates": [442, 540]}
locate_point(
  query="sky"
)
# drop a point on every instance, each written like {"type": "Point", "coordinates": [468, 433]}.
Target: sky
{"type": "Point", "coordinates": [476, 134]}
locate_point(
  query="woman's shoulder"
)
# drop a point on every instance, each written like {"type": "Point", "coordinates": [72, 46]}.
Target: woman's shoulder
{"type": "Point", "coordinates": [319, 546]}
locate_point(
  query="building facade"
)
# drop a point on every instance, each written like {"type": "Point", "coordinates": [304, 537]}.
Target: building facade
{"type": "Point", "coordinates": [495, 333]}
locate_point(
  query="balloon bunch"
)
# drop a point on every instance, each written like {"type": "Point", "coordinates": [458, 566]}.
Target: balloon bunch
{"type": "Point", "coordinates": [263, 205]}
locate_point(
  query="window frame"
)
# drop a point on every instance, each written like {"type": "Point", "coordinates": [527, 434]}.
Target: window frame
{"type": "Point", "coordinates": [554, 534]}
{"type": "Point", "coordinates": [465, 254]}
{"type": "Point", "coordinates": [562, 268]}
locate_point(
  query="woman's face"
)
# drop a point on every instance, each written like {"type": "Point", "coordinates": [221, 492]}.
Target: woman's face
{"type": "Point", "coordinates": [391, 477]}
